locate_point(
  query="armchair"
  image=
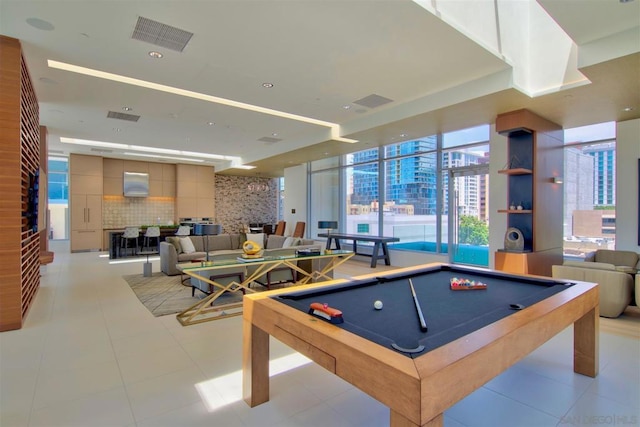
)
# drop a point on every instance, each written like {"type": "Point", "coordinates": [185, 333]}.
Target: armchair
{"type": "Point", "coordinates": [615, 272]}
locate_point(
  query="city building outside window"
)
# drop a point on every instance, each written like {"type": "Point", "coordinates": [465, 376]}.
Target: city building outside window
{"type": "Point", "coordinates": [402, 190]}
{"type": "Point", "coordinates": [589, 189]}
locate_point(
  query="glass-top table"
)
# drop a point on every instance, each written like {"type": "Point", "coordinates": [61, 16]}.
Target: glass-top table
{"type": "Point", "coordinates": [205, 310]}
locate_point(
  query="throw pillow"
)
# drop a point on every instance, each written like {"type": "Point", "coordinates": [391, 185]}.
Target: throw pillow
{"type": "Point", "coordinates": [290, 241]}
{"type": "Point", "coordinates": [187, 245]}
{"type": "Point", "coordinates": [256, 237]}
{"type": "Point", "coordinates": [175, 241]}
{"type": "Point", "coordinates": [275, 242]}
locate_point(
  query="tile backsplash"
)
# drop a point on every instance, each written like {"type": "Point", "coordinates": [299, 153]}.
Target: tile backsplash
{"type": "Point", "coordinates": [118, 212]}
{"type": "Point", "coordinates": [236, 202]}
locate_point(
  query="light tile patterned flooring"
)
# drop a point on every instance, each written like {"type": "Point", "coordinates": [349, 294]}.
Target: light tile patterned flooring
{"type": "Point", "coordinates": [91, 355]}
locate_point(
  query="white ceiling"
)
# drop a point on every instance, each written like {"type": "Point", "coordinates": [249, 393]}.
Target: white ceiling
{"type": "Point", "coordinates": [319, 55]}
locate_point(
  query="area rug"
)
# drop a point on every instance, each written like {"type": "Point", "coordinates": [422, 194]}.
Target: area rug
{"type": "Point", "coordinates": [163, 295]}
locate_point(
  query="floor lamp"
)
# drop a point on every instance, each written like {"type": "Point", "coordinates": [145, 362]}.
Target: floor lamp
{"type": "Point", "coordinates": [207, 230]}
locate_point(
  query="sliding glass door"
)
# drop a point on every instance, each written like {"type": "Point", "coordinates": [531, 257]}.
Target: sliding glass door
{"type": "Point", "coordinates": [468, 206]}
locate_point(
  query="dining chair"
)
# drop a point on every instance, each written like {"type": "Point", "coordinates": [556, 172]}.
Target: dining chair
{"type": "Point", "coordinates": [280, 228]}
{"type": "Point", "coordinates": [299, 230]}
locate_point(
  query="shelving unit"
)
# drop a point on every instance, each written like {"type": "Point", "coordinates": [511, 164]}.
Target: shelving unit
{"type": "Point", "coordinates": [535, 153]}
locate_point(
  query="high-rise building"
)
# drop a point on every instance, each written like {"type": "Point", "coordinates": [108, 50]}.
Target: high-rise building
{"type": "Point", "coordinates": [410, 178]}
{"type": "Point", "coordinates": [605, 167]}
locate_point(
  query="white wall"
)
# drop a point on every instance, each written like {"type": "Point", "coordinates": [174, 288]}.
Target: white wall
{"type": "Point", "coordinates": [627, 155]}
{"type": "Point", "coordinates": [497, 192]}
{"type": "Point", "coordinates": [295, 197]}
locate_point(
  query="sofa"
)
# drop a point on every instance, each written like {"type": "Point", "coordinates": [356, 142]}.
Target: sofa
{"type": "Point", "coordinates": [615, 271]}
{"type": "Point", "coordinates": [229, 246]}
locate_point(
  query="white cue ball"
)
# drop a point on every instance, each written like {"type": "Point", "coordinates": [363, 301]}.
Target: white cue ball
{"type": "Point", "coordinates": [377, 305]}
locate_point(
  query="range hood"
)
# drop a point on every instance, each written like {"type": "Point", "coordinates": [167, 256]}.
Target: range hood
{"type": "Point", "coordinates": [136, 184]}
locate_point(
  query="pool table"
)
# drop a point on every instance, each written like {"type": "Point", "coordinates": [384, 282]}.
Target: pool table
{"type": "Point", "coordinates": [471, 335]}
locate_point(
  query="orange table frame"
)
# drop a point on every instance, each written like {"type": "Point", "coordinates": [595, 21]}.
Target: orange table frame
{"type": "Point", "coordinates": [424, 387]}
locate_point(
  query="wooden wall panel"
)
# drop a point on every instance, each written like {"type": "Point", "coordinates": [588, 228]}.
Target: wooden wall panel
{"type": "Point", "coordinates": [19, 161]}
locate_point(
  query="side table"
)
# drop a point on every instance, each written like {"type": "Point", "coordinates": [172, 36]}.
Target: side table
{"type": "Point", "coordinates": [146, 267]}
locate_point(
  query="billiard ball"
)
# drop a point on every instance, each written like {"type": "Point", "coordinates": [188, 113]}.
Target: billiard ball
{"type": "Point", "coordinates": [377, 305]}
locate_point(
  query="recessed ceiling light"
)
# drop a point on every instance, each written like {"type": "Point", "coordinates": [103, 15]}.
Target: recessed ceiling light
{"type": "Point", "coordinates": [267, 85]}
{"type": "Point", "coordinates": [40, 24]}
{"type": "Point", "coordinates": [127, 108]}
{"type": "Point", "coordinates": [155, 55]}
{"type": "Point", "coordinates": [346, 107]}
{"type": "Point", "coordinates": [210, 123]}
{"type": "Point", "coordinates": [117, 129]}
{"type": "Point", "coordinates": [403, 135]}
{"type": "Point", "coordinates": [626, 1]}
{"type": "Point", "coordinates": [274, 134]}
{"type": "Point", "coordinates": [628, 109]}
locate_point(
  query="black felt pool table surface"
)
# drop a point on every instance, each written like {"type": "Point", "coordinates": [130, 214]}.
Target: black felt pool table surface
{"type": "Point", "coordinates": [449, 314]}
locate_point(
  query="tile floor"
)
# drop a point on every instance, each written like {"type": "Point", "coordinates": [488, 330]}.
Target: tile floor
{"type": "Point", "coordinates": [91, 355]}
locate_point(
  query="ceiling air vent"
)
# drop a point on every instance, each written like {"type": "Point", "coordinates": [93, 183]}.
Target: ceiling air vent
{"type": "Point", "coordinates": [373, 101]}
{"type": "Point", "coordinates": [269, 139]}
{"type": "Point", "coordinates": [101, 150]}
{"type": "Point", "coordinates": [123, 116]}
{"type": "Point", "coordinates": [159, 34]}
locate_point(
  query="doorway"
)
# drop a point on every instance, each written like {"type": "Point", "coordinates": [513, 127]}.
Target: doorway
{"type": "Point", "coordinates": [468, 219]}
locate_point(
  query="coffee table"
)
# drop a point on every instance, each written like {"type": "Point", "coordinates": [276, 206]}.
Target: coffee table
{"type": "Point", "coordinates": [204, 310]}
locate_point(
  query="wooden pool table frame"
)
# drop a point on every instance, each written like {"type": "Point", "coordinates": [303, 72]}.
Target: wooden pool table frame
{"type": "Point", "coordinates": [419, 390]}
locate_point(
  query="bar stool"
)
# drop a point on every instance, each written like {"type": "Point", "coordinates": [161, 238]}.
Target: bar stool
{"type": "Point", "coordinates": [183, 230]}
{"type": "Point", "coordinates": [130, 233]}
{"type": "Point", "coordinates": [152, 233]}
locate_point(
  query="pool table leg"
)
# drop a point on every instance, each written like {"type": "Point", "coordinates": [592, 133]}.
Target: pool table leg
{"type": "Point", "coordinates": [255, 364]}
{"type": "Point", "coordinates": [399, 420]}
{"type": "Point", "coordinates": [586, 343]}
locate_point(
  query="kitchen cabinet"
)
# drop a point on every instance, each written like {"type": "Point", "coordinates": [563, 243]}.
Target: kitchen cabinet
{"type": "Point", "coordinates": [86, 190]}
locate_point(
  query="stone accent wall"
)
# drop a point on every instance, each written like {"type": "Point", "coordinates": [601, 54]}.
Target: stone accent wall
{"type": "Point", "coordinates": [118, 211]}
{"type": "Point", "coordinates": [237, 205]}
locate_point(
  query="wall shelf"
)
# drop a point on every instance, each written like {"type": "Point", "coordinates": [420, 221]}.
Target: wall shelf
{"type": "Point", "coordinates": [516, 171]}
{"type": "Point", "coordinates": [515, 211]}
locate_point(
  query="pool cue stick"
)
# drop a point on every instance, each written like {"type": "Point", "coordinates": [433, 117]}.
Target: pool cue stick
{"type": "Point", "coordinates": [423, 324]}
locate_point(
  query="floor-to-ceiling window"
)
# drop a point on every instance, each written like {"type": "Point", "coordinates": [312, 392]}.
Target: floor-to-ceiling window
{"type": "Point", "coordinates": [401, 190]}
{"type": "Point", "coordinates": [58, 198]}
{"type": "Point", "coordinates": [465, 195]}
{"type": "Point", "coordinates": [589, 189]}
{"type": "Point", "coordinates": [410, 183]}
{"type": "Point", "coordinates": [365, 204]}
